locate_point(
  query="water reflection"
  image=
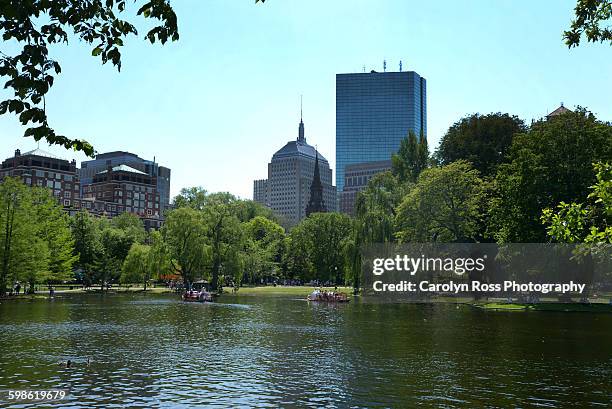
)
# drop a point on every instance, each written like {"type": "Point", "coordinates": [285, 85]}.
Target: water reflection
{"type": "Point", "coordinates": [157, 351]}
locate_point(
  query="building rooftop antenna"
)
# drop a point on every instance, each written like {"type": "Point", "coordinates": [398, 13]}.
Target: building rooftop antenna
{"type": "Point", "coordinates": [400, 65]}
{"type": "Point", "coordinates": [384, 65]}
{"type": "Point", "coordinates": [301, 116]}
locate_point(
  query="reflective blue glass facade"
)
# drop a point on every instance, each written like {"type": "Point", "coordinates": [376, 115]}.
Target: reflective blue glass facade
{"type": "Point", "coordinates": [374, 112]}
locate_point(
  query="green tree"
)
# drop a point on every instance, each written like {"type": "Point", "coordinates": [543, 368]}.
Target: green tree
{"type": "Point", "coordinates": [590, 20]}
{"type": "Point", "coordinates": [320, 242]}
{"type": "Point", "coordinates": [297, 263]}
{"type": "Point", "coordinates": [86, 234]}
{"type": "Point", "coordinates": [549, 164]}
{"type": "Point", "coordinates": [144, 263]}
{"type": "Point", "coordinates": [376, 206]}
{"type": "Point", "coordinates": [589, 222]}
{"type": "Point", "coordinates": [23, 255]}
{"type": "Point", "coordinates": [131, 225]}
{"type": "Point", "coordinates": [136, 266]}
{"type": "Point", "coordinates": [248, 209]}
{"type": "Point", "coordinates": [113, 249]}
{"type": "Point", "coordinates": [444, 205]}
{"type": "Point", "coordinates": [32, 265]}
{"type": "Point", "coordinates": [223, 231]}
{"type": "Point", "coordinates": [53, 228]}
{"type": "Point", "coordinates": [193, 197]}
{"type": "Point", "coordinates": [185, 235]}
{"type": "Point", "coordinates": [35, 26]}
{"type": "Point", "coordinates": [411, 159]}
{"type": "Point", "coordinates": [159, 255]}
{"type": "Point", "coordinates": [263, 247]}
{"type": "Point", "coordinates": [234, 266]}
{"type": "Point", "coordinates": [483, 140]}
{"type": "Point", "coordinates": [352, 254]}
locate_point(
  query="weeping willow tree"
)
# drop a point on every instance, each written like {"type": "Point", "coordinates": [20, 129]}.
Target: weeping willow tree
{"type": "Point", "coordinates": [375, 212]}
{"type": "Point", "coordinates": [375, 208]}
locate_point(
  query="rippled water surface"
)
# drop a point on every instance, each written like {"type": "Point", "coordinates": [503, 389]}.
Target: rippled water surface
{"type": "Point", "coordinates": [152, 351]}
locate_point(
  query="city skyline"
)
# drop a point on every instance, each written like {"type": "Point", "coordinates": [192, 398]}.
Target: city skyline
{"type": "Point", "coordinates": [199, 105]}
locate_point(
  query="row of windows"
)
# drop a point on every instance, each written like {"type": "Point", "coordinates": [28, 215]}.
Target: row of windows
{"type": "Point", "coordinates": [108, 207]}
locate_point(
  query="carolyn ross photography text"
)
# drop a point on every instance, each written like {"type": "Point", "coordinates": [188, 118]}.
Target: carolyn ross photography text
{"type": "Point", "coordinates": [477, 286]}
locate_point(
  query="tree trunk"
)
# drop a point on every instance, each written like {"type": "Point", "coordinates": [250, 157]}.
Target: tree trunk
{"type": "Point", "coordinates": [7, 246]}
{"type": "Point", "coordinates": [215, 275]}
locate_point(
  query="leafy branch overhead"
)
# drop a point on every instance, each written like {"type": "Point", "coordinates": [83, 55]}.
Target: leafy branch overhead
{"type": "Point", "coordinates": [593, 19]}
{"type": "Point", "coordinates": [37, 24]}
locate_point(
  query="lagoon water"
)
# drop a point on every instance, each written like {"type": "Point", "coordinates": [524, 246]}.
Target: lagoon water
{"type": "Point", "coordinates": [156, 351]}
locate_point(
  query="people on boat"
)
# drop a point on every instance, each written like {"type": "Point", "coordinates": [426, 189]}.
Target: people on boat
{"type": "Point", "coordinates": [324, 295]}
{"type": "Point", "coordinates": [204, 295]}
{"type": "Point", "coordinates": [315, 294]}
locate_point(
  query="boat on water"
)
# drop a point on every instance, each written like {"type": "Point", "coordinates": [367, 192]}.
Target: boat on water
{"type": "Point", "coordinates": [197, 296]}
{"type": "Point", "coordinates": [327, 296]}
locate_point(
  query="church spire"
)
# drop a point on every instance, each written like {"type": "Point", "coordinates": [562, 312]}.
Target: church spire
{"type": "Point", "coordinates": [301, 137]}
{"type": "Point", "coordinates": [316, 204]}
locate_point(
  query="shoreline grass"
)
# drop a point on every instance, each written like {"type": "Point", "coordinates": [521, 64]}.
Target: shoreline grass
{"type": "Point", "coordinates": [279, 291]}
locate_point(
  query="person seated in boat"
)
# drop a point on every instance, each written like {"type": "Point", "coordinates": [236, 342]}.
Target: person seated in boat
{"type": "Point", "coordinates": [315, 294]}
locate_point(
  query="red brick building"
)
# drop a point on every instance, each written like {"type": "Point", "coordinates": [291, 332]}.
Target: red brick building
{"type": "Point", "coordinates": [40, 168]}
{"type": "Point", "coordinates": [112, 192]}
{"type": "Point", "coordinates": [127, 190]}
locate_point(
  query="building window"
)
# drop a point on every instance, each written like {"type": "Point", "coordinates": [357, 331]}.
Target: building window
{"type": "Point", "coordinates": [67, 195]}
{"type": "Point", "coordinates": [66, 203]}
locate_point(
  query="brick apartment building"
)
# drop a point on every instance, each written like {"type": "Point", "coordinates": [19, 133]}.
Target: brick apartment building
{"type": "Point", "coordinates": [40, 168]}
{"type": "Point", "coordinates": [129, 190]}
{"type": "Point", "coordinates": [113, 191]}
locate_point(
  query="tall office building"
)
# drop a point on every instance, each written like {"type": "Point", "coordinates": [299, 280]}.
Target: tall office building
{"type": "Point", "coordinates": [90, 168]}
{"type": "Point", "coordinates": [290, 176]}
{"type": "Point", "coordinates": [374, 112]}
{"type": "Point", "coordinates": [260, 191]}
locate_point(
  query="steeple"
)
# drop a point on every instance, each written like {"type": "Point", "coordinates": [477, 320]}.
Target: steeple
{"type": "Point", "coordinates": [301, 137]}
{"type": "Point", "coordinates": [316, 204]}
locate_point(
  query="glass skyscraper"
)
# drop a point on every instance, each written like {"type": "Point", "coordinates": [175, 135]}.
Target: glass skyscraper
{"type": "Point", "coordinates": [374, 112]}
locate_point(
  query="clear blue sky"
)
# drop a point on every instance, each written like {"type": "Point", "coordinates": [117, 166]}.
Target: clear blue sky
{"type": "Point", "coordinates": [217, 104]}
